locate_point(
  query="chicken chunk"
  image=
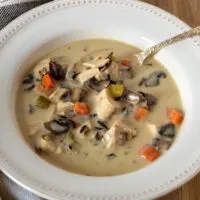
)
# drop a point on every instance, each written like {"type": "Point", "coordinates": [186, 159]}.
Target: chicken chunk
{"type": "Point", "coordinates": [88, 74]}
{"type": "Point", "coordinates": [106, 105]}
{"type": "Point", "coordinates": [57, 94]}
{"type": "Point", "coordinates": [63, 107]}
{"type": "Point", "coordinates": [41, 67]}
{"type": "Point", "coordinates": [96, 62]}
{"type": "Point", "coordinates": [47, 143]}
{"type": "Point", "coordinates": [114, 71]}
{"type": "Point", "coordinates": [119, 134]}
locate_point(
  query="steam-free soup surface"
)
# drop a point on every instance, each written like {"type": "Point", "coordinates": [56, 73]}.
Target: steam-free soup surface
{"type": "Point", "coordinates": [88, 109]}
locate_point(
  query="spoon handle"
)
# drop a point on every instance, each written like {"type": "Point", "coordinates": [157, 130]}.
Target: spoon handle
{"type": "Point", "coordinates": [154, 49]}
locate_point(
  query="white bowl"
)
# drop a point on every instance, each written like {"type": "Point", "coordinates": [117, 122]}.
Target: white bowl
{"type": "Point", "coordinates": [47, 27]}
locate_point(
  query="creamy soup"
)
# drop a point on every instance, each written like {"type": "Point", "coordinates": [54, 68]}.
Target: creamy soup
{"type": "Point", "coordinates": [88, 109]}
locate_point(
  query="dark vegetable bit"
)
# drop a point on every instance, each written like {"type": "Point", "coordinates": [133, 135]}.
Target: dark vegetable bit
{"type": "Point", "coordinates": [149, 64]}
{"type": "Point", "coordinates": [122, 138]}
{"type": "Point", "coordinates": [167, 130]}
{"type": "Point", "coordinates": [31, 108]}
{"type": "Point", "coordinates": [149, 99]}
{"type": "Point", "coordinates": [93, 115]}
{"type": "Point", "coordinates": [99, 128]}
{"type": "Point", "coordinates": [56, 128]}
{"type": "Point", "coordinates": [111, 156]}
{"type": "Point", "coordinates": [59, 125]}
{"type": "Point", "coordinates": [63, 120]}
{"type": "Point", "coordinates": [56, 71]}
{"type": "Point", "coordinates": [84, 129]}
{"type": "Point", "coordinates": [132, 97]}
{"type": "Point", "coordinates": [125, 111]}
{"type": "Point", "coordinates": [155, 142]}
{"type": "Point", "coordinates": [99, 135]}
{"type": "Point", "coordinates": [70, 147]}
{"type": "Point", "coordinates": [38, 150]}
{"type": "Point", "coordinates": [42, 102]}
{"type": "Point", "coordinates": [97, 85]}
{"type": "Point", "coordinates": [102, 124]}
{"type": "Point", "coordinates": [161, 143]}
{"type": "Point", "coordinates": [153, 79]}
{"type": "Point", "coordinates": [67, 96]}
{"type": "Point", "coordinates": [75, 74]}
{"type": "Point", "coordinates": [107, 65]}
{"type": "Point", "coordinates": [29, 79]}
{"type": "Point", "coordinates": [29, 88]}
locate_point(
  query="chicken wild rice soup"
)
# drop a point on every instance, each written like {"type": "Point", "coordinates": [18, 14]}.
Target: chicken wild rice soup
{"type": "Point", "coordinates": [87, 109]}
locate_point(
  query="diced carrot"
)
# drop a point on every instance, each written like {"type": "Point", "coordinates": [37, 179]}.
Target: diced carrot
{"type": "Point", "coordinates": [81, 108]}
{"type": "Point", "coordinates": [149, 152]}
{"type": "Point", "coordinates": [174, 116]}
{"type": "Point", "coordinates": [125, 62]}
{"type": "Point", "coordinates": [140, 113]}
{"type": "Point", "coordinates": [47, 81]}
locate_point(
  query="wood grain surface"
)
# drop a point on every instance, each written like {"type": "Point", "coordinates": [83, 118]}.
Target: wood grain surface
{"type": "Point", "coordinates": [189, 12]}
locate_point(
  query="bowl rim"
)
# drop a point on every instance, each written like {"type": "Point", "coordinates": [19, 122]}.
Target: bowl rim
{"type": "Point", "coordinates": [26, 18]}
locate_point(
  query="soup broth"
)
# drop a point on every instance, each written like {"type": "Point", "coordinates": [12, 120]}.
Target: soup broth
{"type": "Point", "coordinates": [88, 109]}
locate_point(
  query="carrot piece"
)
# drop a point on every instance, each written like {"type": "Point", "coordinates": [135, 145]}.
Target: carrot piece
{"type": "Point", "coordinates": [47, 81]}
{"type": "Point", "coordinates": [81, 108]}
{"type": "Point", "coordinates": [125, 62]}
{"type": "Point", "coordinates": [174, 116]}
{"type": "Point", "coordinates": [149, 152]}
{"type": "Point", "coordinates": [140, 113]}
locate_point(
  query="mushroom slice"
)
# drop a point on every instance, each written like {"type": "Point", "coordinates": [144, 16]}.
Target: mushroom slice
{"type": "Point", "coordinates": [149, 100]}
{"type": "Point", "coordinates": [56, 128]}
{"type": "Point", "coordinates": [167, 130]}
{"type": "Point", "coordinates": [153, 79]}
{"type": "Point", "coordinates": [59, 125]}
{"type": "Point", "coordinates": [97, 85]}
{"type": "Point", "coordinates": [132, 97]}
{"type": "Point", "coordinates": [56, 71]}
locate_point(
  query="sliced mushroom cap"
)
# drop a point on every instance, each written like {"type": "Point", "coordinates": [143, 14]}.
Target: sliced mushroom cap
{"type": "Point", "coordinates": [29, 79]}
{"type": "Point", "coordinates": [56, 128]}
{"type": "Point", "coordinates": [56, 71]}
{"type": "Point", "coordinates": [59, 125]}
{"type": "Point", "coordinates": [162, 143]}
{"type": "Point", "coordinates": [167, 130]}
{"type": "Point", "coordinates": [148, 99]}
{"type": "Point", "coordinates": [153, 79]}
{"type": "Point", "coordinates": [132, 97]}
{"type": "Point", "coordinates": [97, 85]}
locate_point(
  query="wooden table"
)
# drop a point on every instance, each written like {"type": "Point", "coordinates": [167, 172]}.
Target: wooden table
{"type": "Point", "coordinates": [189, 12]}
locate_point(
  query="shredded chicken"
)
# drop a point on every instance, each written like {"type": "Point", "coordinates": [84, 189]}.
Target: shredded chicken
{"type": "Point", "coordinates": [106, 105]}
{"type": "Point", "coordinates": [119, 133]}
{"type": "Point", "coordinates": [86, 75]}
{"type": "Point", "coordinates": [41, 67]}
{"type": "Point", "coordinates": [57, 94]}
{"type": "Point", "coordinates": [96, 62]}
{"type": "Point", "coordinates": [63, 107]}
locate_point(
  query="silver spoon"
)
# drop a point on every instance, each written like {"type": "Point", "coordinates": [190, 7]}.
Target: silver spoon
{"type": "Point", "coordinates": [138, 59]}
